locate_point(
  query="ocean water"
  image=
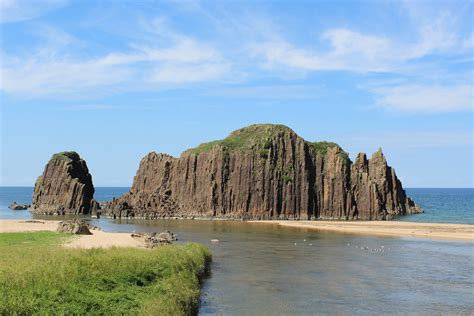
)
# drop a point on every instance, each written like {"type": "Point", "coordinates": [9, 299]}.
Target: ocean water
{"type": "Point", "coordinates": [271, 270]}
{"type": "Point", "coordinates": [443, 205]}
{"type": "Point", "coordinates": [23, 195]}
{"type": "Point", "coordinates": [439, 205]}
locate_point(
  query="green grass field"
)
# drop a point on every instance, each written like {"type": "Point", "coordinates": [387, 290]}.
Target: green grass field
{"type": "Point", "coordinates": [38, 276]}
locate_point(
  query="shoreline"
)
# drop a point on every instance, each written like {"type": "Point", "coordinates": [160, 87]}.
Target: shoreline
{"type": "Point", "coordinates": [101, 239]}
{"type": "Point", "coordinates": [438, 231]}
{"type": "Point", "coordinates": [98, 239]}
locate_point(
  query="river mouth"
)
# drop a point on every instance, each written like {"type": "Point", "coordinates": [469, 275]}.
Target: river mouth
{"type": "Point", "coordinates": [265, 269]}
{"type": "Point", "coordinates": [258, 270]}
{"type": "Point", "coordinates": [272, 270]}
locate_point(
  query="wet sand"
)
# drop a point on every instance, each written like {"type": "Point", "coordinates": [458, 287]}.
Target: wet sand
{"type": "Point", "coordinates": [386, 228]}
{"type": "Point", "coordinates": [98, 239]}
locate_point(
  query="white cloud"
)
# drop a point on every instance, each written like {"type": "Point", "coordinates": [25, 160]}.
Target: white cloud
{"type": "Point", "coordinates": [354, 51]}
{"type": "Point", "coordinates": [158, 57]}
{"type": "Point", "coordinates": [52, 71]}
{"type": "Point", "coordinates": [419, 98]}
{"type": "Point", "coordinates": [41, 76]}
{"type": "Point", "coordinates": [357, 52]}
{"type": "Point", "coordinates": [350, 51]}
{"type": "Point", "coordinates": [21, 10]}
{"type": "Point", "coordinates": [346, 42]}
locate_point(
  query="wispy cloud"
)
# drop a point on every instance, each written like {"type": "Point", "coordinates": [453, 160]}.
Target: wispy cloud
{"type": "Point", "coordinates": [411, 139]}
{"type": "Point", "coordinates": [432, 40]}
{"type": "Point", "coordinates": [40, 76]}
{"type": "Point", "coordinates": [350, 51]}
{"type": "Point", "coordinates": [21, 10]}
{"type": "Point", "coordinates": [359, 52]}
{"type": "Point", "coordinates": [241, 49]}
{"type": "Point", "coordinates": [49, 71]}
{"type": "Point", "coordinates": [426, 98]}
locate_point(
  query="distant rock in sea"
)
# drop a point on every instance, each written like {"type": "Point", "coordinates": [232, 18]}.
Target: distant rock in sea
{"type": "Point", "coordinates": [65, 187]}
{"type": "Point", "coordinates": [264, 172]}
{"type": "Point", "coordinates": [18, 207]}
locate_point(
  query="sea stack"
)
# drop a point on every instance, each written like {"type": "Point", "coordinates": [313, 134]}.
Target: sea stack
{"type": "Point", "coordinates": [65, 187]}
{"type": "Point", "coordinates": [264, 171]}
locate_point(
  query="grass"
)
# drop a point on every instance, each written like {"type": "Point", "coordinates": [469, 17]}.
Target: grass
{"type": "Point", "coordinates": [38, 276]}
{"type": "Point", "coordinates": [323, 146]}
{"type": "Point", "coordinates": [66, 155]}
{"type": "Point", "coordinates": [258, 137]}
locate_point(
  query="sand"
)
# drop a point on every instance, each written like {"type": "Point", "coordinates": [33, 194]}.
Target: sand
{"type": "Point", "coordinates": [462, 232]}
{"type": "Point", "coordinates": [98, 239]}
{"type": "Point", "coordinates": [14, 225]}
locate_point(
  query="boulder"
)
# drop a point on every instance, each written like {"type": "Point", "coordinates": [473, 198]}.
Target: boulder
{"type": "Point", "coordinates": [77, 227]}
{"type": "Point", "coordinates": [168, 236]}
{"type": "Point", "coordinates": [154, 239]}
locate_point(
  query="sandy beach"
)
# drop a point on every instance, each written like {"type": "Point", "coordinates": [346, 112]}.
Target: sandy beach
{"type": "Point", "coordinates": [462, 232]}
{"type": "Point", "coordinates": [98, 239]}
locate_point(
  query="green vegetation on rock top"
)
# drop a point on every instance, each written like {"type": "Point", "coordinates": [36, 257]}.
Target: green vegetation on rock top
{"type": "Point", "coordinates": [323, 146]}
{"type": "Point", "coordinates": [256, 136]}
{"type": "Point", "coordinates": [66, 155]}
{"type": "Point", "coordinates": [39, 276]}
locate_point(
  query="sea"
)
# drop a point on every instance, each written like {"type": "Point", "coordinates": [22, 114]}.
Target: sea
{"type": "Point", "coordinates": [272, 270]}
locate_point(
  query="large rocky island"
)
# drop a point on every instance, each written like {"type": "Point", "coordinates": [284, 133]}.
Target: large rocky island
{"type": "Point", "coordinates": [65, 187]}
{"type": "Point", "coordinates": [264, 172]}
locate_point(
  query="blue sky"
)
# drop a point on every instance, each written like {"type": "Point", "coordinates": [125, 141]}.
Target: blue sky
{"type": "Point", "coordinates": [115, 80]}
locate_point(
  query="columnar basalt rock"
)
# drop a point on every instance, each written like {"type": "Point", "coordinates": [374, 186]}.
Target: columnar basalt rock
{"type": "Point", "coordinates": [65, 187]}
{"type": "Point", "coordinates": [264, 172]}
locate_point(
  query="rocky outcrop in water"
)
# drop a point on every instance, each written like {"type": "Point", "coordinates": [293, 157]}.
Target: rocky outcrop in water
{"type": "Point", "coordinates": [264, 172]}
{"type": "Point", "coordinates": [18, 207]}
{"type": "Point", "coordinates": [65, 187]}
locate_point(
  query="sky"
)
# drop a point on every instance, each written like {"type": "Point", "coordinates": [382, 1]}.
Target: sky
{"type": "Point", "coordinates": [115, 80]}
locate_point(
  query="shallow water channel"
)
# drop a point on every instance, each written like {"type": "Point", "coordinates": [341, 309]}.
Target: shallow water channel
{"type": "Point", "coordinates": [271, 270]}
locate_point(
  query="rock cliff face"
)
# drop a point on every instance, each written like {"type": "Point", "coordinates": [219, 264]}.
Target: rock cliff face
{"type": "Point", "coordinates": [65, 187]}
{"type": "Point", "coordinates": [264, 172]}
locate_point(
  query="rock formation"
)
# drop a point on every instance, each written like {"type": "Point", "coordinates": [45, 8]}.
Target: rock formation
{"type": "Point", "coordinates": [65, 187]}
{"type": "Point", "coordinates": [152, 240]}
{"type": "Point", "coordinates": [264, 172]}
{"type": "Point", "coordinates": [76, 227]}
{"type": "Point", "coordinates": [18, 207]}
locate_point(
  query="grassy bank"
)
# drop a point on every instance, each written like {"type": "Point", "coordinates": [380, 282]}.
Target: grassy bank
{"type": "Point", "coordinates": [37, 275]}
